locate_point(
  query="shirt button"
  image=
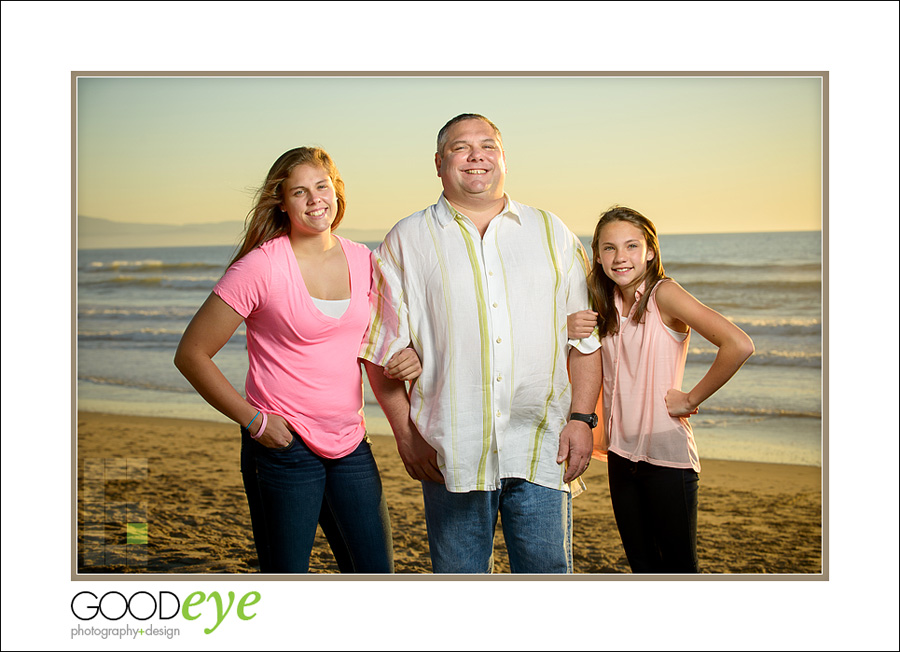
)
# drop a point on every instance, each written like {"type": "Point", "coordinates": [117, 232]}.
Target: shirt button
{"type": "Point", "coordinates": [490, 273]}
{"type": "Point", "coordinates": [495, 304]}
{"type": "Point", "coordinates": [499, 339]}
{"type": "Point", "coordinates": [498, 413]}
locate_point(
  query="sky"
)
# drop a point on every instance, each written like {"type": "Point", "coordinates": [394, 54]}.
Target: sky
{"type": "Point", "coordinates": [857, 43]}
{"type": "Point", "coordinates": [696, 154]}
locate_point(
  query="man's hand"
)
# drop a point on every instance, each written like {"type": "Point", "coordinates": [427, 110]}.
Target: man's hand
{"type": "Point", "coordinates": [419, 458]}
{"type": "Point", "coordinates": [576, 442]}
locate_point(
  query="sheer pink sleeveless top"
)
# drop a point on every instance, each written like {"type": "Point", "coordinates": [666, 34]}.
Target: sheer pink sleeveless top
{"type": "Point", "coordinates": [640, 364]}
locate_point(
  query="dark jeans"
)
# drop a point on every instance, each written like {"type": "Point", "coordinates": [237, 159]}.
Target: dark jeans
{"type": "Point", "coordinates": [291, 489]}
{"type": "Point", "coordinates": [656, 512]}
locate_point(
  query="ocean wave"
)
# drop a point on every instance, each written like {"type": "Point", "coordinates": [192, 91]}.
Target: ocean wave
{"type": "Point", "coordinates": [764, 358]}
{"type": "Point", "coordinates": [780, 326]}
{"type": "Point", "coordinates": [147, 266]}
{"type": "Point", "coordinates": [161, 336]}
{"type": "Point", "coordinates": [750, 268]}
{"type": "Point", "coordinates": [168, 282]}
{"type": "Point", "coordinates": [758, 287]}
{"type": "Point", "coordinates": [121, 382]}
{"type": "Point", "coordinates": [135, 313]}
{"type": "Point", "coordinates": [756, 412]}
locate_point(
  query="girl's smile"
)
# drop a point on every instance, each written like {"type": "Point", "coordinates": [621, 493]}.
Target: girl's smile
{"type": "Point", "coordinates": [310, 200]}
{"type": "Point", "coordinates": [623, 254]}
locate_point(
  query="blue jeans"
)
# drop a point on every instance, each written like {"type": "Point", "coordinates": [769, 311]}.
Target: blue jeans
{"type": "Point", "coordinates": [536, 521]}
{"type": "Point", "coordinates": [290, 490]}
{"type": "Point", "coordinates": [656, 513]}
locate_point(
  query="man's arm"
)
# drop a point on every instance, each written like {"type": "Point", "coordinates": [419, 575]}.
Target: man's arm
{"type": "Point", "coordinates": [576, 441]}
{"type": "Point", "coordinates": [418, 457]}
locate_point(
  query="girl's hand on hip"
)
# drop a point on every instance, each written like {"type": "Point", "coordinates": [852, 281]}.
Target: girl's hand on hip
{"type": "Point", "coordinates": [678, 404]}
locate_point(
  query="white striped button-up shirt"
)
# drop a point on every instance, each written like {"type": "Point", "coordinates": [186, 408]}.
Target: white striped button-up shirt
{"type": "Point", "coordinates": [487, 317]}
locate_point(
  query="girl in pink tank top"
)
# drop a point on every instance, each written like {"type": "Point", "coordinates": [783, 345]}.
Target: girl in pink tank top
{"type": "Point", "coordinates": [645, 320]}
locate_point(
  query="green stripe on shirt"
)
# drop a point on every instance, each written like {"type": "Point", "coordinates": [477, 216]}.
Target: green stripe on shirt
{"type": "Point", "coordinates": [542, 426]}
{"type": "Point", "coordinates": [450, 356]}
{"type": "Point", "coordinates": [481, 302]}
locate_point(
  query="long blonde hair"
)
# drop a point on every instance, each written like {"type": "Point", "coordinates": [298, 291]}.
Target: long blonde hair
{"type": "Point", "coordinates": [266, 220]}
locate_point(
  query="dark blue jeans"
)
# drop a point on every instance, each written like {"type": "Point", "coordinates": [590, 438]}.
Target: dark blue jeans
{"type": "Point", "coordinates": [290, 490]}
{"type": "Point", "coordinates": [656, 513]}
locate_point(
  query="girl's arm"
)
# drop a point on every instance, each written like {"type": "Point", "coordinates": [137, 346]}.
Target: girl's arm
{"type": "Point", "coordinates": [678, 308]}
{"type": "Point", "coordinates": [207, 333]}
{"type": "Point", "coordinates": [419, 458]}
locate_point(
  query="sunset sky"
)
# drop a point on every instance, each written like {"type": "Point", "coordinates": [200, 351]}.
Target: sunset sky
{"type": "Point", "coordinates": [694, 153]}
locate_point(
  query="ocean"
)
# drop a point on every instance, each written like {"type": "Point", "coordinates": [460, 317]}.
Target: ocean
{"type": "Point", "coordinates": [133, 305]}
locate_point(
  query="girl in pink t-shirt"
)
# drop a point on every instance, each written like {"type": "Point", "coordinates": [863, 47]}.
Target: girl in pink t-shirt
{"type": "Point", "coordinates": [303, 294]}
{"type": "Point", "coordinates": [645, 320]}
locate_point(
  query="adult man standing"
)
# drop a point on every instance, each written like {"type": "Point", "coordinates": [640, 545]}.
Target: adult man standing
{"type": "Point", "coordinates": [480, 286]}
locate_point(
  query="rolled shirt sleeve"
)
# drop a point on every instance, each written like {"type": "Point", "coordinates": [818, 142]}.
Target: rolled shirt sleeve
{"type": "Point", "coordinates": [389, 314]}
{"type": "Point", "coordinates": [577, 299]}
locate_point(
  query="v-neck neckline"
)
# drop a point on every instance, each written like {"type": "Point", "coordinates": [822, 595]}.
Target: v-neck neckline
{"type": "Point", "coordinates": [305, 290]}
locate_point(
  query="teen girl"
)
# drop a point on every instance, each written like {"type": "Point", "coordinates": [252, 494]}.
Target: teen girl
{"type": "Point", "coordinates": [645, 321]}
{"type": "Point", "coordinates": [303, 294]}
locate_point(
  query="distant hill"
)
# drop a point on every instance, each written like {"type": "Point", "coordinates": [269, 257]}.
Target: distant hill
{"type": "Point", "coordinates": [99, 233]}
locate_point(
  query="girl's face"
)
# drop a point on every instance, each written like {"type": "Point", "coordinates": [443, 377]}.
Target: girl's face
{"type": "Point", "coordinates": [309, 200]}
{"type": "Point", "coordinates": [623, 254]}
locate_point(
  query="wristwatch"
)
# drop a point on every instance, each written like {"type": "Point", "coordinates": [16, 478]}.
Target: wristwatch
{"type": "Point", "coordinates": [590, 419]}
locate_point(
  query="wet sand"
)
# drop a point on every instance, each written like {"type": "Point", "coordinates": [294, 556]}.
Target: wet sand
{"type": "Point", "coordinates": [181, 478]}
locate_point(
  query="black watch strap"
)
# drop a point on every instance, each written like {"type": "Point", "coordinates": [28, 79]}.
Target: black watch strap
{"type": "Point", "coordinates": [590, 419]}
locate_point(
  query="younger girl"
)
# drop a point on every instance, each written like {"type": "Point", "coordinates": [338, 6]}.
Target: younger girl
{"type": "Point", "coordinates": [645, 320]}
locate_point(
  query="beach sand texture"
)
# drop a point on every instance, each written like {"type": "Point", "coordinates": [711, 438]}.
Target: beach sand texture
{"type": "Point", "coordinates": [181, 478]}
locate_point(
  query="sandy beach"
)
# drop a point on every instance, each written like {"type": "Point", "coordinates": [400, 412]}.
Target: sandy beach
{"type": "Point", "coordinates": [181, 478]}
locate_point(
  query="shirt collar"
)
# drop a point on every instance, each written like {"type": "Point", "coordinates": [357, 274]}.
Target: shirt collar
{"type": "Point", "coordinates": [446, 214]}
{"type": "Point", "coordinates": [638, 293]}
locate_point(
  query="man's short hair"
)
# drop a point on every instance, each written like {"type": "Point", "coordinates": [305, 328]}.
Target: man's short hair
{"type": "Point", "coordinates": [442, 134]}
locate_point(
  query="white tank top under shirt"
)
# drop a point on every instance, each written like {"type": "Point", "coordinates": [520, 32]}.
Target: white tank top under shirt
{"type": "Point", "coordinates": [331, 308]}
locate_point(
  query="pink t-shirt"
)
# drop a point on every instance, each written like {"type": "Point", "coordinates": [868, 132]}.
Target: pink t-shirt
{"type": "Point", "coordinates": [640, 364]}
{"type": "Point", "coordinates": [303, 363]}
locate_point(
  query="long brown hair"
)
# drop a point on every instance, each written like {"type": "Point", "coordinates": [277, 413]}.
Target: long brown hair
{"type": "Point", "coordinates": [602, 288]}
{"type": "Point", "coordinates": [266, 220]}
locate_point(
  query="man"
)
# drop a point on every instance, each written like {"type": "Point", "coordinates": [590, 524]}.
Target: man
{"type": "Point", "coordinates": [480, 286]}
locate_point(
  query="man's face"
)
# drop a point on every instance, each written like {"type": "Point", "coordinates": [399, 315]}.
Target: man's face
{"type": "Point", "coordinates": [472, 164]}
